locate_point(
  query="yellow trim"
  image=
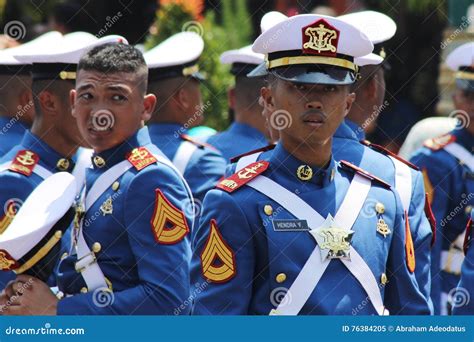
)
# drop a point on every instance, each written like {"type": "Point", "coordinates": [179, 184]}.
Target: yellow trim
{"type": "Point", "coordinates": [67, 75]}
{"type": "Point", "coordinates": [188, 71]}
{"type": "Point", "coordinates": [41, 253]}
{"type": "Point", "coordinates": [311, 60]}
{"type": "Point", "coordinates": [465, 75]}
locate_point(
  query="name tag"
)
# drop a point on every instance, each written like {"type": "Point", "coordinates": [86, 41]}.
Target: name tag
{"type": "Point", "coordinates": [290, 225]}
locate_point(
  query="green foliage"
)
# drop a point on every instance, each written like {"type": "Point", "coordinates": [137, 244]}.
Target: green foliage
{"type": "Point", "coordinates": [233, 32]}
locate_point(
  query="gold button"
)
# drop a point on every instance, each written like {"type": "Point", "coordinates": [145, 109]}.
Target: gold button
{"type": "Point", "coordinates": [63, 164]}
{"type": "Point", "coordinates": [115, 186]}
{"type": "Point", "coordinates": [63, 75]}
{"type": "Point", "coordinates": [379, 208]}
{"type": "Point", "coordinates": [99, 161]}
{"type": "Point", "coordinates": [84, 290]}
{"type": "Point", "coordinates": [96, 247]}
{"type": "Point", "coordinates": [280, 278]}
{"type": "Point", "coordinates": [304, 172]}
{"type": "Point", "coordinates": [468, 210]}
{"type": "Point", "coordinates": [383, 279]}
{"type": "Point", "coordinates": [58, 234]}
{"type": "Point", "coordinates": [268, 209]}
{"type": "Point", "coordinates": [60, 295]}
{"type": "Point", "coordinates": [64, 256]}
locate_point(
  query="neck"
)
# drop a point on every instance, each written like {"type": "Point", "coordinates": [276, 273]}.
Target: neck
{"type": "Point", "coordinates": [317, 155]}
{"type": "Point", "coordinates": [58, 142]}
{"type": "Point", "coordinates": [252, 119]}
{"type": "Point", "coordinates": [167, 116]}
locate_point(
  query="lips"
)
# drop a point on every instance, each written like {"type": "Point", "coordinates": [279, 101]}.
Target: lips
{"type": "Point", "coordinates": [314, 118]}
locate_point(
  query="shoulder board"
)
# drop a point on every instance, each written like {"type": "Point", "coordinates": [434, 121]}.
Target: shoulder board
{"type": "Point", "coordinates": [348, 166]}
{"type": "Point", "coordinates": [439, 143]}
{"type": "Point", "coordinates": [243, 176]}
{"type": "Point", "coordinates": [386, 152]}
{"type": "Point", "coordinates": [199, 144]}
{"type": "Point", "coordinates": [140, 158]}
{"type": "Point", "coordinates": [24, 162]}
{"type": "Point", "coordinates": [261, 149]}
{"type": "Point", "coordinates": [468, 237]}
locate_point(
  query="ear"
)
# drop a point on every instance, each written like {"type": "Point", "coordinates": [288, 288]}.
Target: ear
{"type": "Point", "coordinates": [268, 99]}
{"type": "Point", "coordinates": [183, 98]}
{"type": "Point", "coordinates": [47, 102]}
{"type": "Point", "coordinates": [350, 98]}
{"type": "Point", "coordinates": [371, 87]}
{"type": "Point", "coordinates": [72, 101]}
{"type": "Point", "coordinates": [231, 97]}
{"type": "Point", "coordinates": [149, 103]}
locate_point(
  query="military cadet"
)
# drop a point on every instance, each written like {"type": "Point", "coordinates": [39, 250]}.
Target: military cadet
{"type": "Point", "coordinates": [402, 175]}
{"type": "Point", "coordinates": [448, 167]}
{"type": "Point", "coordinates": [295, 232]}
{"type": "Point", "coordinates": [463, 304]}
{"type": "Point", "coordinates": [130, 254]}
{"type": "Point", "coordinates": [16, 103]}
{"type": "Point", "coordinates": [175, 80]}
{"type": "Point", "coordinates": [248, 131]}
{"type": "Point", "coordinates": [54, 138]}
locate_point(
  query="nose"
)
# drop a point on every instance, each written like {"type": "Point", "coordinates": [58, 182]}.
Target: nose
{"type": "Point", "coordinates": [314, 104]}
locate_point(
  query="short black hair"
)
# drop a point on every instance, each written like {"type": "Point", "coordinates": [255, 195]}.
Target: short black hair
{"type": "Point", "coordinates": [113, 58]}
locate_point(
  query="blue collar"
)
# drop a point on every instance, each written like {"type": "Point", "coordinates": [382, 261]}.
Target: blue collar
{"type": "Point", "coordinates": [349, 130]}
{"type": "Point", "coordinates": [118, 153]}
{"type": "Point", "coordinates": [246, 130]}
{"type": "Point", "coordinates": [47, 155]}
{"type": "Point", "coordinates": [464, 138]}
{"type": "Point", "coordinates": [282, 161]}
{"type": "Point", "coordinates": [12, 125]}
{"type": "Point", "coordinates": [161, 129]}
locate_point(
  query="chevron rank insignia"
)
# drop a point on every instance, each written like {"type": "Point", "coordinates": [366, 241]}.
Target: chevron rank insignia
{"type": "Point", "coordinates": [409, 248]}
{"type": "Point", "coordinates": [168, 223]}
{"type": "Point", "coordinates": [10, 211]}
{"type": "Point", "coordinates": [217, 258]}
{"type": "Point", "coordinates": [243, 176]}
{"type": "Point", "coordinates": [24, 162]}
{"type": "Point", "coordinates": [438, 143]}
{"type": "Point", "coordinates": [140, 158]}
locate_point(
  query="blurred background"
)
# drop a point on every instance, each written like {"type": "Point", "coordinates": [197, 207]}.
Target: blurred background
{"type": "Point", "coordinates": [418, 85]}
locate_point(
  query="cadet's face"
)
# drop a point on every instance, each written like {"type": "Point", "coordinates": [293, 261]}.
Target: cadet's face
{"type": "Point", "coordinates": [109, 107]}
{"type": "Point", "coordinates": [315, 110]}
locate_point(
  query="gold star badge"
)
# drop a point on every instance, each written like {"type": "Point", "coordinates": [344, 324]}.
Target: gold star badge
{"type": "Point", "coordinates": [334, 242]}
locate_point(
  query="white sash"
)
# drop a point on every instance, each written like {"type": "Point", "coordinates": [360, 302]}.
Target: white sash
{"type": "Point", "coordinates": [403, 182]}
{"type": "Point", "coordinates": [86, 264]}
{"type": "Point", "coordinates": [314, 268]}
{"type": "Point", "coordinates": [38, 169]}
{"type": "Point", "coordinates": [461, 153]}
{"type": "Point", "coordinates": [183, 155]}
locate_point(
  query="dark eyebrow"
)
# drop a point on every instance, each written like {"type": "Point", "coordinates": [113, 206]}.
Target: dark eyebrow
{"type": "Point", "coordinates": [118, 88]}
{"type": "Point", "coordinates": [84, 87]}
